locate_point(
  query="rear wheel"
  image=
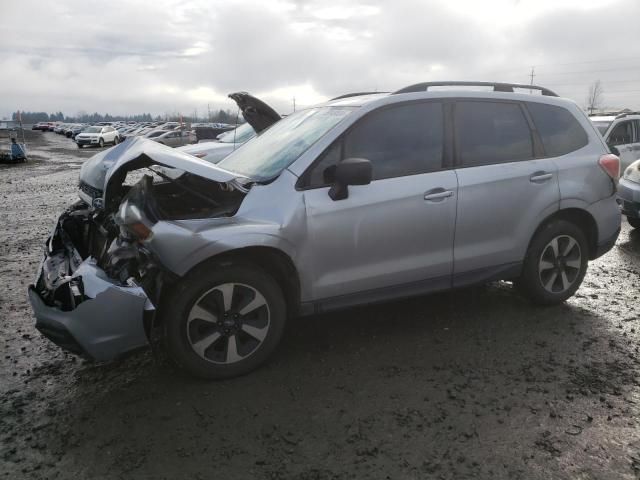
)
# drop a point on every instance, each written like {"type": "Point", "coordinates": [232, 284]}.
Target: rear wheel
{"type": "Point", "coordinates": [634, 222]}
{"type": "Point", "coordinates": [555, 264]}
{"type": "Point", "coordinates": [224, 321]}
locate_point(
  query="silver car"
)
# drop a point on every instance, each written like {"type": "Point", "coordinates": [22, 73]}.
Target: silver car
{"type": "Point", "coordinates": [176, 138]}
{"type": "Point", "coordinates": [363, 199]}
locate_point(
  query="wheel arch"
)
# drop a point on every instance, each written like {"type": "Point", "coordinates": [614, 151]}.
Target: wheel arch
{"type": "Point", "coordinates": [273, 261]}
{"type": "Point", "coordinates": [579, 217]}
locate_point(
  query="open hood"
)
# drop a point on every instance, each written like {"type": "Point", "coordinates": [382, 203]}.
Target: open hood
{"type": "Point", "coordinates": [110, 167]}
{"type": "Point", "coordinates": [257, 113]}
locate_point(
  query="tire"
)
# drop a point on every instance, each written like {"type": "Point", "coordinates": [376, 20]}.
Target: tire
{"type": "Point", "coordinates": [220, 346]}
{"type": "Point", "coordinates": [101, 142]}
{"type": "Point", "coordinates": [79, 146]}
{"type": "Point", "coordinates": [634, 222]}
{"type": "Point", "coordinates": [116, 140]}
{"type": "Point", "coordinates": [550, 279]}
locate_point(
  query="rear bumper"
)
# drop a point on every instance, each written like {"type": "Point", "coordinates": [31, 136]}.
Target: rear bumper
{"type": "Point", "coordinates": [629, 198]}
{"type": "Point", "coordinates": [606, 245]}
{"type": "Point", "coordinates": [87, 312]}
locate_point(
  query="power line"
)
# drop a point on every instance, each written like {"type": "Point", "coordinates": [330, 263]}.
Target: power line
{"type": "Point", "coordinates": [637, 67]}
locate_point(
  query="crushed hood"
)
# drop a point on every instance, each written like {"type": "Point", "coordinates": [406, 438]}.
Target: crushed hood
{"type": "Point", "coordinates": [257, 113]}
{"type": "Point", "coordinates": [138, 152]}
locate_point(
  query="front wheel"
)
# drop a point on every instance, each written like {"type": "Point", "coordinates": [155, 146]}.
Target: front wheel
{"type": "Point", "coordinates": [79, 145]}
{"type": "Point", "coordinates": [634, 222]}
{"type": "Point", "coordinates": [101, 142]}
{"type": "Point", "coordinates": [116, 140]}
{"type": "Point", "coordinates": [223, 321]}
{"type": "Point", "coordinates": [555, 264]}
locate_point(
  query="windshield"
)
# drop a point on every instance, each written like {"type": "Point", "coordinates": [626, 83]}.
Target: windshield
{"type": "Point", "coordinates": [93, 130]}
{"type": "Point", "coordinates": [240, 135]}
{"type": "Point", "coordinates": [276, 148]}
{"type": "Point", "coordinates": [602, 126]}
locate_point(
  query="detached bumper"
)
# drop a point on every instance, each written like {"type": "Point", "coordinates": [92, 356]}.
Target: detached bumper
{"type": "Point", "coordinates": [87, 312]}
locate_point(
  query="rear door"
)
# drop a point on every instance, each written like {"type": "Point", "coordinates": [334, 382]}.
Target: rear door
{"type": "Point", "coordinates": [504, 191]}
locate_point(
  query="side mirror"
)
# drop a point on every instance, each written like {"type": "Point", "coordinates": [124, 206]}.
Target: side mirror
{"type": "Point", "coordinates": [351, 171]}
{"type": "Point", "coordinates": [614, 150]}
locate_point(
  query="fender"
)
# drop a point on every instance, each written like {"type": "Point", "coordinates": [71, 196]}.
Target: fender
{"type": "Point", "coordinates": [182, 248]}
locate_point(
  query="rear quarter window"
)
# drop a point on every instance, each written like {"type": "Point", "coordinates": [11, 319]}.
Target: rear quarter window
{"type": "Point", "coordinates": [559, 130]}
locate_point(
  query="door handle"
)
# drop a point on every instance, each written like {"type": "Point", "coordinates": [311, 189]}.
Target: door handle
{"type": "Point", "coordinates": [439, 195]}
{"type": "Point", "coordinates": [540, 177]}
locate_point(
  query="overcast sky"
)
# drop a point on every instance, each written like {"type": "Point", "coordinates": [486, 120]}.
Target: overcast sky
{"type": "Point", "coordinates": [164, 56]}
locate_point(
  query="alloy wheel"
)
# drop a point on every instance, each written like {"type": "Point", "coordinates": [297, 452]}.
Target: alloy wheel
{"type": "Point", "coordinates": [228, 323]}
{"type": "Point", "coordinates": [560, 264]}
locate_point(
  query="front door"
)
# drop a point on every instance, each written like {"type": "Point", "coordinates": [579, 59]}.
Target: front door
{"type": "Point", "coordinates": [625, 136]}
{"type": "Point", "coordinates": [395, 232]}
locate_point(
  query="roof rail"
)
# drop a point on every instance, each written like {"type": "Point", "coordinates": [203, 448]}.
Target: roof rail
{"type": "Point", "coordinates": [357, 94]}
{"type": "Point", "coordinates": [497, 87]}
{"type": "Point", "coordinates": [622, 115]}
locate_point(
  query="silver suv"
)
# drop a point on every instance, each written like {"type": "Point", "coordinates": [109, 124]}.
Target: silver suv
{"type": "Point", "coordinates": [363, 199]}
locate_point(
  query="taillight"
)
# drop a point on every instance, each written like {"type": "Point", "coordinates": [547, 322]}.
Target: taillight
{"type": "Point", "coordinates": [611, 165]}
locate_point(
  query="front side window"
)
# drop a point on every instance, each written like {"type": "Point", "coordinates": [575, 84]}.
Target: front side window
{"type": "Point", "coordinates": [623, 133]}
{"type": "Point", "coordinates": [559, 130]}
{"type": "Point", "coordinates": [400, 140]}
{"type": "Point", "coordinates": [491, 132]}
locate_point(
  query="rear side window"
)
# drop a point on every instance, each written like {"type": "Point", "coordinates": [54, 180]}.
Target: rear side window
{"type": "Point", "coordinates": [559, 130]}
{"type": "Point", "coordinates": [491, 132]}
{"type": "Point", "coordinates": [398, 141]}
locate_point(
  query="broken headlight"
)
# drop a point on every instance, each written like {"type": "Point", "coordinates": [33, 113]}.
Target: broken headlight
{"type": "Point", "coordinates": [133, 221]}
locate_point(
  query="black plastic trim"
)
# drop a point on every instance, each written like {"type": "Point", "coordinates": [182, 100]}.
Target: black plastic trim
{"type": "Point", "coordinates": [506, 271]}
{"type": "Point", "coordinates": [607, 245]}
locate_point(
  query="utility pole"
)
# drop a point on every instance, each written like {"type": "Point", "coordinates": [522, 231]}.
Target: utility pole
{"type": "Point", "coordinates": [209, 112]}
{"type": "Point", "coordinates": [531, 75]}
{"type": "Point", "coordinates": [294, 104]}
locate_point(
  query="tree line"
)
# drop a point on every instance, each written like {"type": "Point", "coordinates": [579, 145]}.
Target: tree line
{"type": "Point", "coordinates": [222, 116]}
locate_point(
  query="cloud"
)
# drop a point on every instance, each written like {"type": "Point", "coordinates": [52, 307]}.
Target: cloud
{"type": "Point", "coordinates": [168, 55]}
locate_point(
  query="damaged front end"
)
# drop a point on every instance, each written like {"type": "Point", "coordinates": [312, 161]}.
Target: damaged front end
{"type": "Point", "coordinates": [76, 304]}
{"type": "Point", "coordinates": [98, 284]}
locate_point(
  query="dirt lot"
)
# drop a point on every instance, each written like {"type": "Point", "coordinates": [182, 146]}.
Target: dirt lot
{"type": "Point", "coordinates": [469, 384]}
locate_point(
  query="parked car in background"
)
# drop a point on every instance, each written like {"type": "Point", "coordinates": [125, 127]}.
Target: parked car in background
{"type": "Point", "coordinates": [176, 138]}
{"type": "Point", "coordinates": [602, 122]}
{"type": "Point", "coordinates": [40, 126]}
{"type": "Point", "coordinates": [73, 133]}
{"type": "Point", "coordinates": [214, 151]}
{"type": "Point", "coordinates": [358, 200]}
{"type": "Point", "coordinates": [629, 194]}
{"type": "Point", "coordinates": [98, 136]}
{"type": "Point", "coordinates": [623, 138]}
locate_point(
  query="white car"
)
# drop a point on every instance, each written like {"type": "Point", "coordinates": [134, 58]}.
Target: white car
{"type": "Point", "coordinates": [623, 138]}
{"type": "Point", "coordinates": [602, 122]}
{"type": "Point", "coordinates": [98, 135]}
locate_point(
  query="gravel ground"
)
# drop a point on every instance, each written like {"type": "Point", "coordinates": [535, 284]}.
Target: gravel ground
{"type": "Point", "coordinates": [474, 383]}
